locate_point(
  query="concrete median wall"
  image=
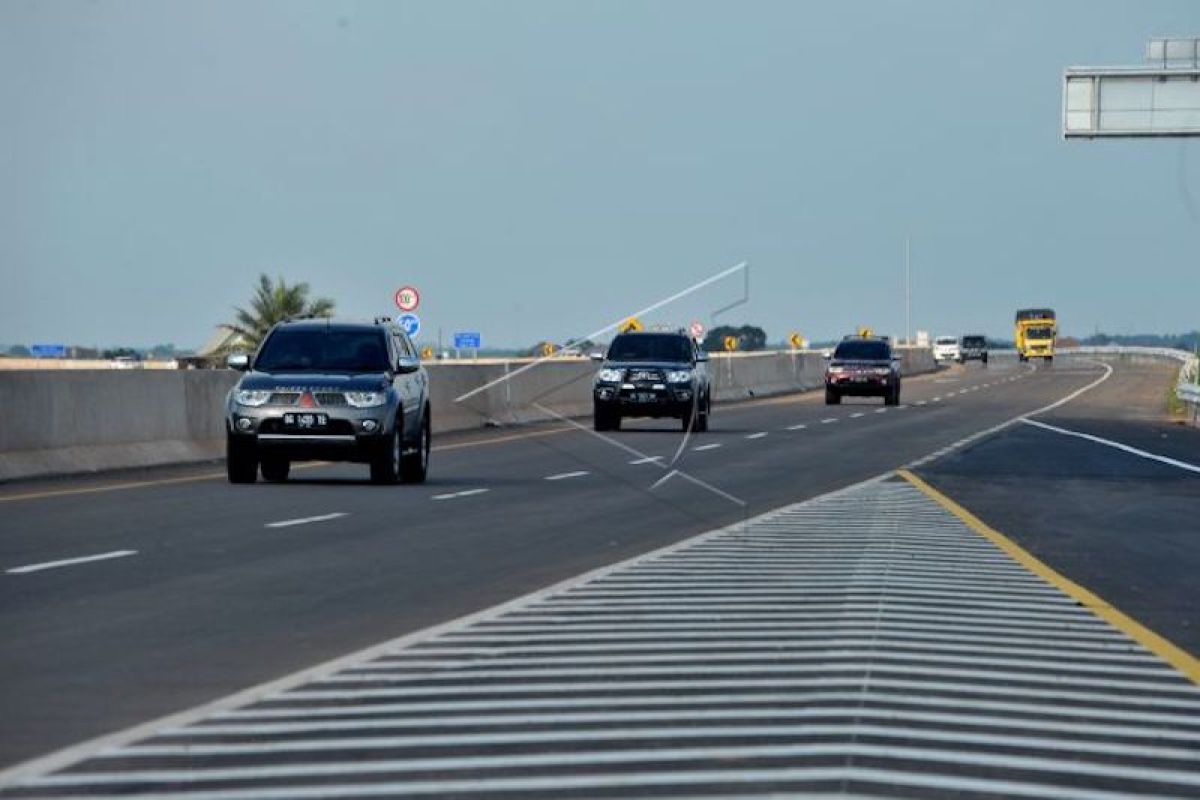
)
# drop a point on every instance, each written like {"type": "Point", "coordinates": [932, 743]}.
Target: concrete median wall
{"type": "Point", "coordinates": [71, 421]}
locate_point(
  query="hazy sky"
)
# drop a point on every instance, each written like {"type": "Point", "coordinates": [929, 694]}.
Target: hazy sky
{"type": "Point", "coordinates": [538, 169]}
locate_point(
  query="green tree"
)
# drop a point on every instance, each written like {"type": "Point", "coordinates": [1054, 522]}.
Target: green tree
{"type": "Point", "coordinates": [275, 301]}
{"type": "Point", "coordinates": [750, 337]}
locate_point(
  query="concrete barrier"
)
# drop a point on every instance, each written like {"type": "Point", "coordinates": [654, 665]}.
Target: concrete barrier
{"type": "Point", "coordinates": [57, 422]}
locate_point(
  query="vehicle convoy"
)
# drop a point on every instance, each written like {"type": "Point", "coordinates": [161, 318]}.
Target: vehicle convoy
{"type": "Point", "coordinates": [973, 347]}
{"type": "Point", "coordinates": [653, 375]}
{"type": "Point", "coordinates": [330, 390]}
{"type": "Point", "coordinates": [863, 366]}
{"type": "Point", "coordinates": [945, 348]}
{"type": "Point", "coordinates": [1035, 332]}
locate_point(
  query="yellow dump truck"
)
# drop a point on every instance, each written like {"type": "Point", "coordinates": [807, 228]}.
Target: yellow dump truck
{"type": "Point", "coordinates": [1035, 332]}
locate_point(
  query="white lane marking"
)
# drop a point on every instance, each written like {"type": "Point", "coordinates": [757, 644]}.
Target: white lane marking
{"type": "Point", "coordinates": [464, 493]}
{"type": "Point", "coordinates": [562, 476]}
{"type": "Point", "coordinates": [704, 447]}
{"type": "Point", "coordinates": [1116, 445]}
{"type": "Point", "coordinates": [922, 402]}
{"type": "Point", "coordinates": [858, 414]}
{"type": "Point", "coordinates": [287, 523]}
{"type": "Point", "coordinates": [68, 562]}
{"type": "Point", "coordinates": [881, 411]}
{"type": "Point", "coordinates": [828, 420]}
{"type": "Point", "coordinates": [797, 427]}
{"type": "Point", "coordinates": [647, 460]}
{"type": "Point", "coordinates": [934, 456]}
{"type": "Point", "coordinates": [937, 399]}
{"type": "Point", "coordinates": [758, 435]}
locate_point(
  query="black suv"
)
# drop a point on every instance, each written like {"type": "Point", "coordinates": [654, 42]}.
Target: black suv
{"type": "Point", "coordinates": [335, 391]}
{"type": "Point", "coordinates": [972, 348]}
{"type": "Point", "coordinates": [863, 366]}
{"type": "Point", "coordinates": [653, 375]}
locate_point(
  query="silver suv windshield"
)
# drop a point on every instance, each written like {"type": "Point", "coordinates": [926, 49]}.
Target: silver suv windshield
{"type": "Point", "coordinates": [324, 350]}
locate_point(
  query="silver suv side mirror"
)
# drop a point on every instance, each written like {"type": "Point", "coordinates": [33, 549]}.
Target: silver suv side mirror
{"type": "Point", "coordinates": [407, 364]}
{"type": "Point", "coordinates": [596, 355]}
{"type": "Point", "coordinates": [238, 361]}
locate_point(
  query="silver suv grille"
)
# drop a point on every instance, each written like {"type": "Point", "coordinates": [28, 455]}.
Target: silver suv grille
{"type": "Point", "coordinates": [284, 398]}
{"type": "Point", "coordinates": [330, 398]}
{"type": "Point", "coordinates": [645, 375]}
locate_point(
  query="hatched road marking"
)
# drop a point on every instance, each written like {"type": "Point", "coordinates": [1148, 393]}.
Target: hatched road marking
{"type": "Point", "coordinates": [869, 640]}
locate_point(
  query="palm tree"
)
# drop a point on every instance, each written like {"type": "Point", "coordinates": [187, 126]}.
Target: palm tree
{"type": "Point", "coordinates": [274, 301]}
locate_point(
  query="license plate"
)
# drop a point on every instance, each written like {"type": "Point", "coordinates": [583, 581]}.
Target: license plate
{"type": "Point", "coordinates": [644, 397]}
{"type": "Point", "coordinates": [305, 421]}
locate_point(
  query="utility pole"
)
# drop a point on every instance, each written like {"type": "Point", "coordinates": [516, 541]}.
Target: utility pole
{"type": "Point", "coordinates": [907, 292]}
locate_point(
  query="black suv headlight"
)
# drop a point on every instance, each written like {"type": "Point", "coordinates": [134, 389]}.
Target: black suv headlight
{"type": "Point", "coordinates": [608, 375]}
{"type": "Point", "coordinates": [679, 376]}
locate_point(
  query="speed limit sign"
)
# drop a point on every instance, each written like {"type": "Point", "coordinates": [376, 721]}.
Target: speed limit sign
{"type": "Point", "coordinates": [407, 298]}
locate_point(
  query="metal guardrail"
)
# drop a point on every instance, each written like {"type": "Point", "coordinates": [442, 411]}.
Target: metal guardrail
{"type": "Point", "coordinates": [1187, 389]}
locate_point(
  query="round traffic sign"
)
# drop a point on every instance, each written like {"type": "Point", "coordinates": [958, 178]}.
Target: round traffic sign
{"type": "Point", "coordinates": [411, 324]}
{"type": "Point", "coordinates": [697, 330]}
{"type": "Point", "coordinates": [407, 298]}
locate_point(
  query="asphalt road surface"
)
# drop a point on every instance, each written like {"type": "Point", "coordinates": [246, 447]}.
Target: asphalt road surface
{"type": "Point", "coordinates": [125, 603]}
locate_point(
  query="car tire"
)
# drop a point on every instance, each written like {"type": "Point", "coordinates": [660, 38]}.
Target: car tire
{"type": "Point", "coordinates": [984, 359]}
{"type": "Point", "coordinates": [241, 460]}
{"type": "Point", "coordinates": [702, 416]}
{"type": "Point", "coordinates": [275, 470]}
{"type": "Point", "coordinates": [385, 464]}
{"type": "Point", "coordinates": [892, 398]}
{"type": "Point", "coordinates": [414, 467]}
{"type": "Point", "coordinates": [832, 398]}
{"type": "Point", "coordinates": [605, 420]}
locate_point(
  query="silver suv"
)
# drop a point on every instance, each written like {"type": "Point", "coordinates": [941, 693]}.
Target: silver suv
{"type": "Point", "coordinates": [334, 391]}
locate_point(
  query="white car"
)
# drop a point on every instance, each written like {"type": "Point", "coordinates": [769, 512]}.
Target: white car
{"type": "Point", "coordinates": [945, 348]}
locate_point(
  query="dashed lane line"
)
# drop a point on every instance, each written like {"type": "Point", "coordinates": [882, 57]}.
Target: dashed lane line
{"type": "Point", "coordinates": [797, 427]}
{"type": "Point", "coordinates": [759, 435]}
{"type": "Point", "coordinates": [701, 448]}
{"type": "Point", "coordinates": [456, 495]}
{"type": "Point", "coordinates": [829, 420]}
{"type": "Point", "coordinates": [69, 562]}
{"type": "Point", "coordinates": [288, 523]}
{"type": "Point", "coordinates": [563, 476]}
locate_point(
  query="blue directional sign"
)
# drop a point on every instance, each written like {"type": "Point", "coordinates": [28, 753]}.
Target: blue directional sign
{"type": "Point", "coordinates": [467, 340]}
{"type": "Point", "coordinates": [411, 324]}
{"type": "Point", "coordinates": [48, 350]}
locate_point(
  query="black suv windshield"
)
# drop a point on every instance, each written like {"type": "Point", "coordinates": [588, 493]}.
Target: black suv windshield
{"type": "Point", "coordinates": [973, 341]}
{"type": "Point", "coordinates": [864, 350]}
{"type": "Point", "coordinates": [650, 347]}
{"type": "Point", "coordinates": [324, 350]}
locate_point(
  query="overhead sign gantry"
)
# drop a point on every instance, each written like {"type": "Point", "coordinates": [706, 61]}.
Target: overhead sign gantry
{"type": "Point", "coordinates": [1159, 98]}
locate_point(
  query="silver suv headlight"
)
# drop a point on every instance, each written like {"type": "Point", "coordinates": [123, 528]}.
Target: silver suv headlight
{"type": "Point", "coordinates": [679, 376]}
{"type": "Point", "coordinates": [366, 399]}
{"type": "Point", "coordinates": [609, 376]}
{"type": "Point", "coordinates": [251, 397]}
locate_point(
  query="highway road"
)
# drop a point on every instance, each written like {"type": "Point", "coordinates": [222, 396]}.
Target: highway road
{"type": "Point", "coordinates": [131, 598]}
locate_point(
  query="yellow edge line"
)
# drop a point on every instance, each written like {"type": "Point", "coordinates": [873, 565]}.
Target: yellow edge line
{"type": "Point", "coordinates": [1178, 658]}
